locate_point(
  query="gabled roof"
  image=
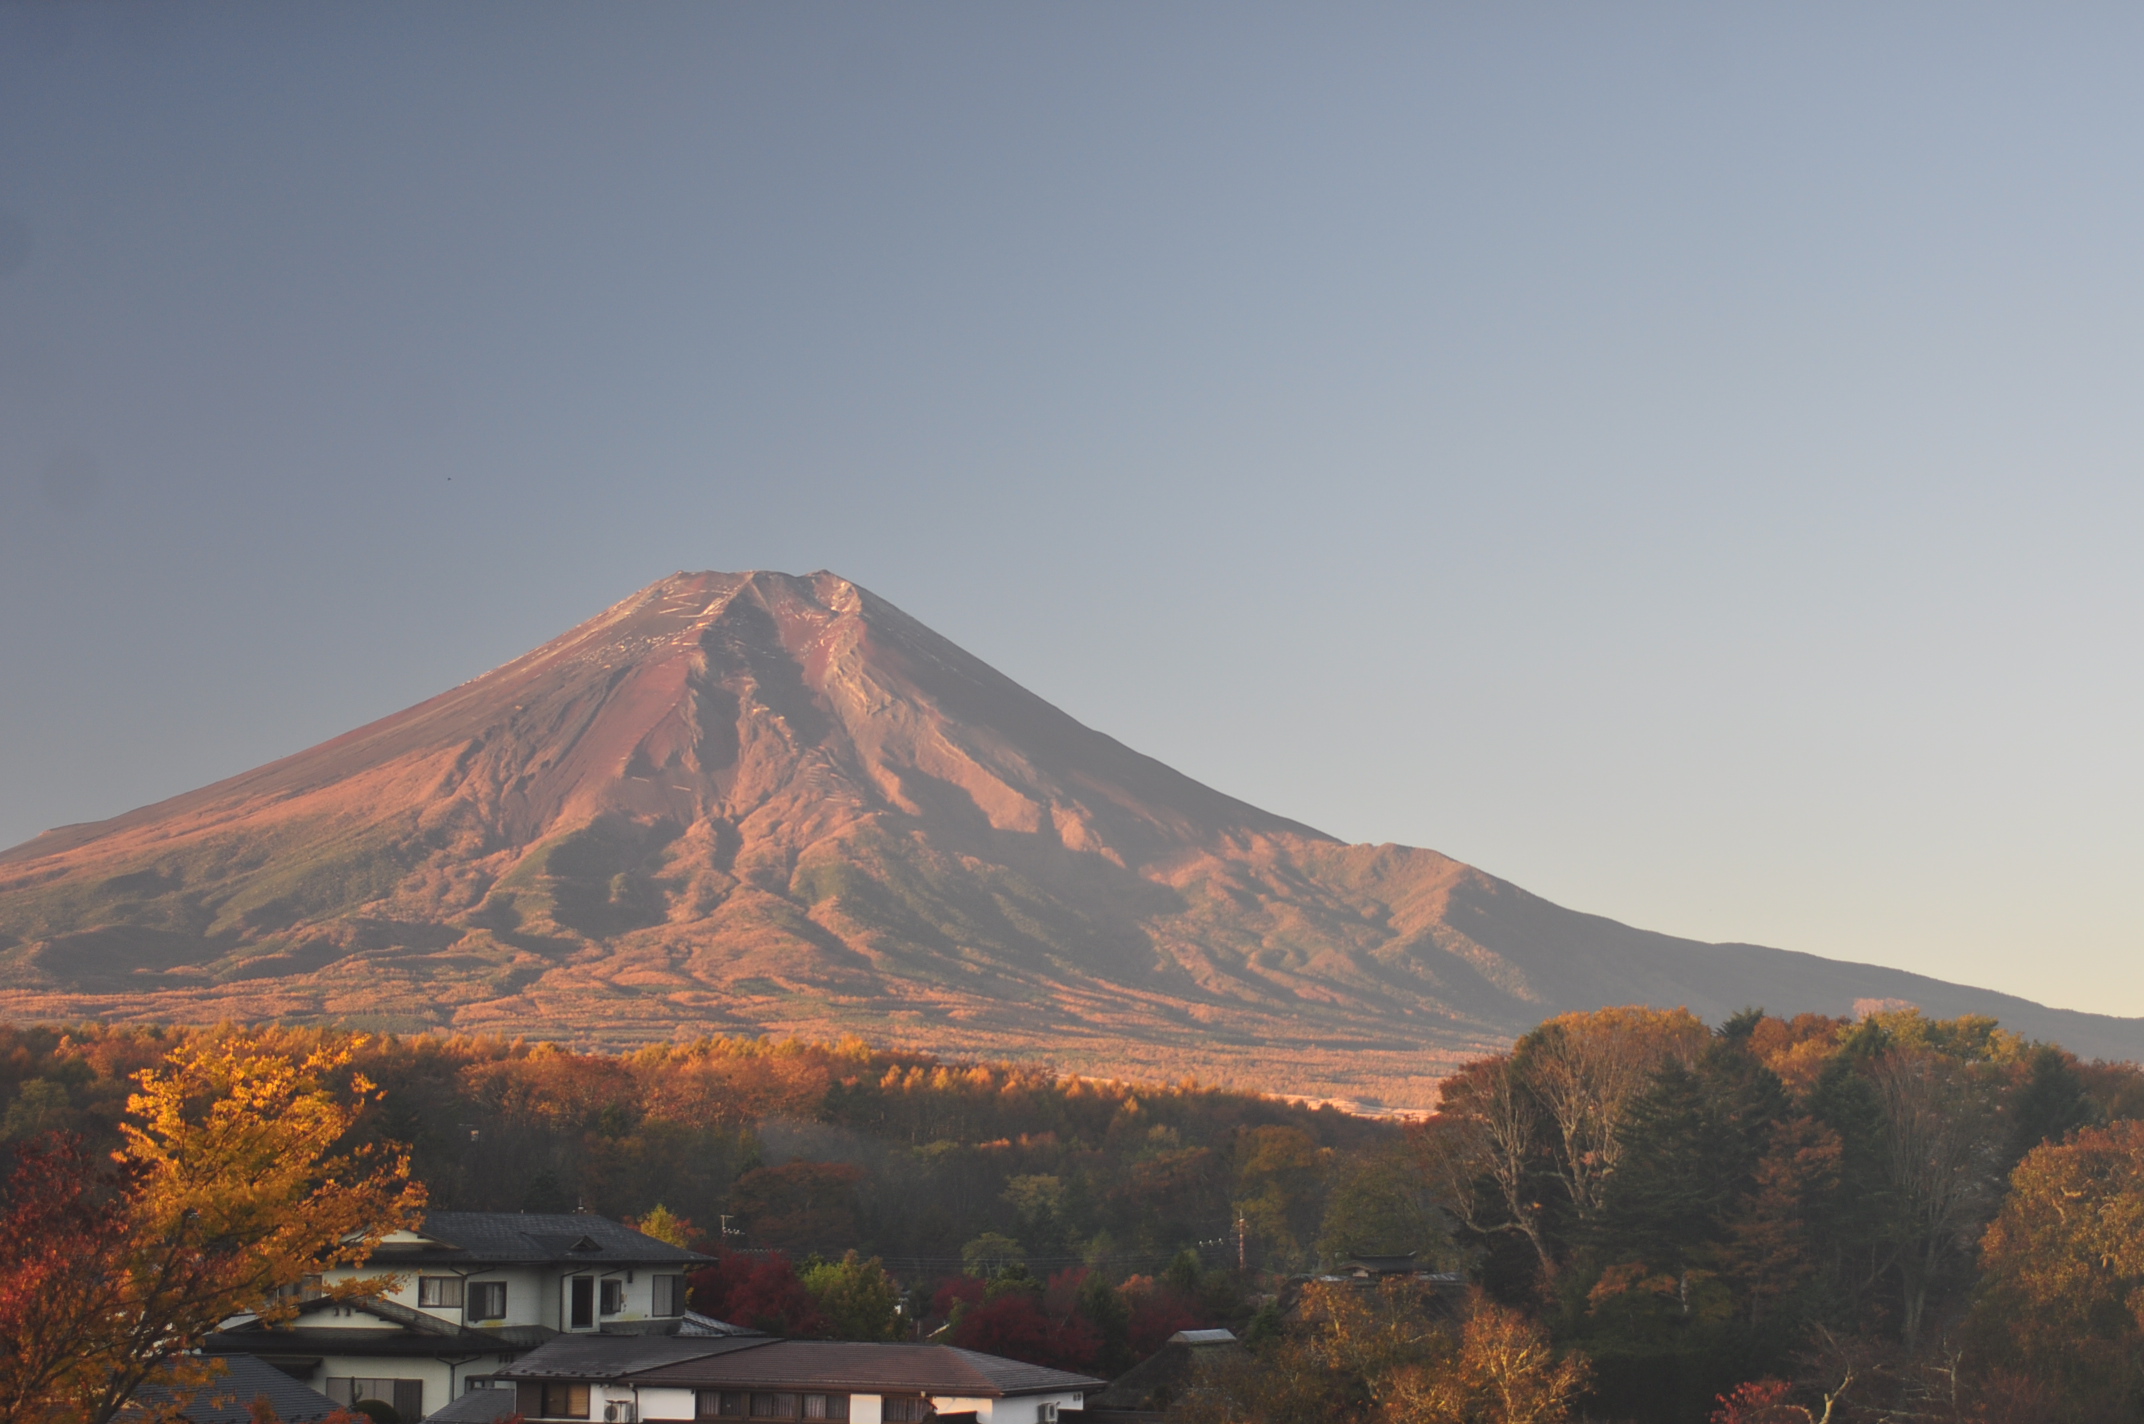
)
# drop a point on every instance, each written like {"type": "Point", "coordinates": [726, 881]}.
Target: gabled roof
{"type": "Point", "coordinates": [1203, 1337]}
{"type": "Point", "coordinates": [228, 1400]}
{"type": "Point", "coordinates": [860, 1367]}
{"type": "Point", "coordinates": [469, 1239]}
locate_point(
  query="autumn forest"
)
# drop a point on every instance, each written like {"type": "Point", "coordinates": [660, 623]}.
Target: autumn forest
{"type": "Point", "coordinates": [1631, 1215]}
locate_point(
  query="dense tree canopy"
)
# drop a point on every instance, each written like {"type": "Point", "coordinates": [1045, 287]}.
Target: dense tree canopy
{"type": "Point", "coordinates": [1879, 1218]}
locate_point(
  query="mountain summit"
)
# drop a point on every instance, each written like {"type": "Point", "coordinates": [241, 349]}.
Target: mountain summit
{"type": "Point", "coordinates": [759, 802]}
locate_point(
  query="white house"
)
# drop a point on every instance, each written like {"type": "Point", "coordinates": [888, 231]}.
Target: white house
{"type": "Point", "coordinates": [473, 1292]}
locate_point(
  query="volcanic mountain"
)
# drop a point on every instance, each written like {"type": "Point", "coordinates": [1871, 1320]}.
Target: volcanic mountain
{"type": "Point", "coordinates": [763, 803]}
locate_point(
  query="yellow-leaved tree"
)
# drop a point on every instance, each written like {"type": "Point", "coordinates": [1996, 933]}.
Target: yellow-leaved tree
{"type": "Point", "coordinates": [237, 1181]}
{"type": "Point", "coordinates": [2062, 1294]}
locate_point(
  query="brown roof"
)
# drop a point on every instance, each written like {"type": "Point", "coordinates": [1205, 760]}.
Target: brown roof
{"type": "Point", "coordinates": [611, 1357]}
{"type": "Point", "coordinates": [839, 1364]}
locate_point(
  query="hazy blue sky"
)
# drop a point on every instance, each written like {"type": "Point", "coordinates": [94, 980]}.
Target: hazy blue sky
{"type": "Point", "coordinates": [1683, 459]}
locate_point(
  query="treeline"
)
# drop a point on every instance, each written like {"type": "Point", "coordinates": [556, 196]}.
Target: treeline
{"type": "Point", "coordinates": [1887, 1218]}
{"type": "Point", "coordinates": [809, 1148]}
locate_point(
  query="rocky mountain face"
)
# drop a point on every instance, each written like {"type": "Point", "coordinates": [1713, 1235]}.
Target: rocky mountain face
{"type": "Point", "coordinates": [763, 803]}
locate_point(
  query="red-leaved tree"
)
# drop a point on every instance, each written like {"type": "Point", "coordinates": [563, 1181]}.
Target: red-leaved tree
{"type": "Point", "coordinates": [1045, 1327]}
{"type": "Point", "coordinates": [1760, 1402]}
{"type": "Point", "coordinates": [61, 1241]}
{"type": "Point", "coordinates": [763, 1292]}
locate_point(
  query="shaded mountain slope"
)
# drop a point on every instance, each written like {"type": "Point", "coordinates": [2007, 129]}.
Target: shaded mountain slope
{"type": "Point", "coordinates": [744, 802]}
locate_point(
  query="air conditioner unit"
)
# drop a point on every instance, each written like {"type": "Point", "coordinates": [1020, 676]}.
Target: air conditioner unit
{"type": "Point", "coordinates": [620, 1411]}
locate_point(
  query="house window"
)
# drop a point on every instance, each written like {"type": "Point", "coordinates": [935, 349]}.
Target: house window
{"type": "Point", "coordinates": [613, 1297]}
{"type": "Point", "coordinates": [565, 1401]}
{"type": "Point", "coordinates": [723, 1404]}
{"type": "Point", "coordinates": [307, 1288]}
{"type": "Point", "coordinates": [439, 1292]}
{"type": "Point", "coordinates": [774, 1406]}
{"type": "Point", "coordinates": [834, 1407]}
{"type": "Point", "coordinates": [904, 1409]}
{"type": "Point", "coordinates": [669, 1295]}
{"type": "Point", "coordinates": [405, 1396]}
{"type": "Point", "coordinates": [581, 1303]}
{"type": "Point", "coordinates": [487, 1300]}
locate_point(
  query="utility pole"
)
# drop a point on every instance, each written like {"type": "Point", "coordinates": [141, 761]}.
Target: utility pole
{"type": "Point", "coordinates": [1243, 1255]}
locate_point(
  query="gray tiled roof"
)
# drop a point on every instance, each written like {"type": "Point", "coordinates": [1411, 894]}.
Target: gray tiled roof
{"type": "Point", "coordinates": [478, 1406]}
{"type": "Point", "coordinates": [228, 1400]}
{"type": "Point", "coordinates": [473, 1238]}
{"type": "Point", "coordinates": [690, 1324]}
{"type": "Point", "coordinates": [854, 1365]}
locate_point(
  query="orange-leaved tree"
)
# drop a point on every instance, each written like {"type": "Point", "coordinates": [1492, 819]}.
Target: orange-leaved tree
{"type": "Point", "coordinates": [237, 1180]}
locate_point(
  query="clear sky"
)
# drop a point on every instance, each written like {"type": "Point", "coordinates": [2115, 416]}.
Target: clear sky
{"type": "Point", "coordinates": [1684, 459]}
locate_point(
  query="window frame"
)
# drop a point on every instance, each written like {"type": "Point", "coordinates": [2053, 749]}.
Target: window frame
{"type": "Point", "coordinates": [666, 1295]}
{"type": "Point", "coordinates": [551, 1392]}
{"type": "Point", "coordinates": [343, 1389]}
{"type": "Point", "coordinates": [475, 1291]}
{"type": "Point", "coordinates": [445, 1292]}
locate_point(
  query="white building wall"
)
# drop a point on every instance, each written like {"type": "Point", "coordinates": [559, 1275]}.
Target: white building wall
{"type": "Point", "coordinates": [527, 1301]}
{"type": "Point", "coordinates": [1020, 1409]}
{"type": "Point", "coordinates": [667, 1404]}
{"type": "Point", "coordinates": [639, 1293]}
{"type": "Point", "coordinates": [534, 1295]}
{"type": "Point", "coordinates": [866, 1409]}
{"type": "Point", "coordinates": [442, 1381]}
{"type": "Point", "coordinates": [432, 1372]}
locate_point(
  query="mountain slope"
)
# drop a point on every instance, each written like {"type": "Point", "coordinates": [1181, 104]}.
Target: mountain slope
{"type": "Point", "coordinates": [760, 802]}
